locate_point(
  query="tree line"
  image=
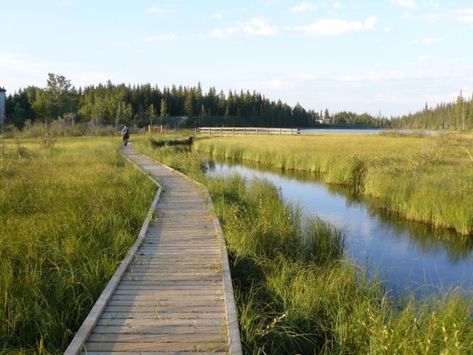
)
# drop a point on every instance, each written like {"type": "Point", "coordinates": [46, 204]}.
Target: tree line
{"type": "Point", "coordinates": [347, 118]}
{"type": "Point", "coordinates": [140, 105]}
{"type": "Point", "coordinates": [456, 115]}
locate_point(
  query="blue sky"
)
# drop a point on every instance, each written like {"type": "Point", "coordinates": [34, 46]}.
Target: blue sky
{"type": "Point", "coordinates": [388, 56]}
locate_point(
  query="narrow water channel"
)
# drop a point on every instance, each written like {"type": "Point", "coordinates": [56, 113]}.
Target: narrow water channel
{"type": "Point", "coordinates": [410, 258]}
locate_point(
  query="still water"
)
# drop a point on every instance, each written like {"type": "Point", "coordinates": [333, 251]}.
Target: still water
{"type": "Point", "coordinates": [341, 131]}
{"type": "Point", "coordinates": [407, 257]}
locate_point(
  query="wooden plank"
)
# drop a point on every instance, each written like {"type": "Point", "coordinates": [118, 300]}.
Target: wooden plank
{"type": "Point", "coordinates": [145, 290]}
{"type": "Point", "coordinates": [141, 347]}
{"type": "Point", "coordinates": [167, 303]}
{"type": "Point", "coordinates": [164, 315]}
{"type": "Point", "coordinates": [170, 308]}
{"type": "Point", "coordinates": [158, 322]}
{"type": "Point", "coordinates": [153, 353]}
{"type": "Point", "coordinates": [158, 338]}
{"type": "Point", "coordinates": [230, 305]}
{"type": "Point", "coordinates": [142, 295]}
{"type": "Point", "coordinates": [170, 285]}
{"type": "Point", "coordinates": [93, 316]}
{"type": "Point", "coordinates": [172, 296]}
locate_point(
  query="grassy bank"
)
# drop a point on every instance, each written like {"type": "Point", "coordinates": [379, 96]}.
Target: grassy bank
{"type": "Point", "coordinates": [69, 211]}
{"type": "Point", "coordinates": [296, 294]}
{"type": "Point", "coordinates": [427, 179]}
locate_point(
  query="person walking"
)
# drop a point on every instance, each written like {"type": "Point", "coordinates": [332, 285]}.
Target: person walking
{"type": "Point", "coordinates": [125, 134]}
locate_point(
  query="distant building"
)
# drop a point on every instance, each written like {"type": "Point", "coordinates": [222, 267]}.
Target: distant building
{"type": "Point", "coordinates": [327, 120]}
{"type": "Point", "coordinates": [2, 104]}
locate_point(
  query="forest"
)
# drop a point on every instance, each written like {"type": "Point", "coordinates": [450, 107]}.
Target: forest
{"type": "Point", "coordinates": [141, 105]}
{"type": "Point", "coordinates": [456, 115]}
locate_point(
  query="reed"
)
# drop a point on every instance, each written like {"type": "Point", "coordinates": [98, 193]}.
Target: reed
{"type": "Point", "coordinates": [421, 178]}
{"type": "Point", "coordinates": [297, 294]}
{"type": "Point", "coordinates": [68, 214]}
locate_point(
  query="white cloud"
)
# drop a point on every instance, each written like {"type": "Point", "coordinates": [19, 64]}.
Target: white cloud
{"type": "Point", "coordinates": [279, 82]}
{"type": "Point", "coordinates": [333, 27]}
{"type": "Point", "coordinates": [304, 7]}
{"type": "Point", "coordinates": [337, 6]}
{"type": "Point", "coordinates": [155, 9]}
{"type": "Point", "coordinates": [160, 38]}
{"type": "Point", "coordinates": [408, 4]}
{"type": "Point", "coordinates": [390, 74]}
{"type": "Point", "coordinates": [432, 4]}
{"type": "Point", "coordinates": [424, 58]}
{"type": "Point", "coordinates": [431, 99]}
{"type": "Point", "coordinates": [463, 15]}
{"type": "Point", "coordinates": [431, 40]}
{"type": "Point", "coordinates": [374, 75]}
{"type": "Point", "coordinates": [17, 71]}
{"type": "Point", "coordinates": [355, 5]}
{"type": "Point", "coordinates": [271, 84]}
{"type": "Point", "coordinates": [457, 15]}
{"type": "Point", "coordinates": [426, 40]}
{"type": "Point", "coordinates": [217, 16]}
{"type": "Point", "coordinates": [257, 26]}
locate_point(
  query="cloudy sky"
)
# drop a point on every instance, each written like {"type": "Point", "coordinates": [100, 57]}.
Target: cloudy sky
{"type": "Point", "coordinates": [388, 56]}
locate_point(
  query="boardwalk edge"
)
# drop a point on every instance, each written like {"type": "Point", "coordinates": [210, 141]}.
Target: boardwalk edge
{"type": "Point", "coordinates": [77, 343]}
{"type": "Point", "coordinates": [233, 328]}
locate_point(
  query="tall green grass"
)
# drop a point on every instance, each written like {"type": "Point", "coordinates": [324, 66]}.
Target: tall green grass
{"type": "Point", "coordinates": [296, 294]}
{"type": "Point", "coordinates": [427, 179]}
{"type": "Point", "coordinates": [68, 215]}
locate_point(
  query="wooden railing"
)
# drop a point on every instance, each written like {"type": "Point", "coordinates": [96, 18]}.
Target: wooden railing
{"type": "Point", "coordinates": [247, 130]}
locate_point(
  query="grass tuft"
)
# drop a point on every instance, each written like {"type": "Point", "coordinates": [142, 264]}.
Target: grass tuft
{"type": "Point", "coordinates": [68, 214]}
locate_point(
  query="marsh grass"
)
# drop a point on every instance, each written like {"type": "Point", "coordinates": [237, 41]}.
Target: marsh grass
{"type": "Point", "coordinates": [297, 294]}
{"type": "Point", "coordinates": [68, 214]}
{"type": "Point", "coordinates": [421, 178]}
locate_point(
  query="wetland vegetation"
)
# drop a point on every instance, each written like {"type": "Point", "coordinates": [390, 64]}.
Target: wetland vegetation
{"type": "Point", "coordinates": [295, 291]}
{"type": "Point", "coordinates": [70, 209]}
{"type": "Point", "coordinates": [421, 178]}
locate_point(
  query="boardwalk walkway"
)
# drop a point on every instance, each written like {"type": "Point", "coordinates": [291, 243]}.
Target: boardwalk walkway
{"type": "Point", "coordinates": [174, 293]}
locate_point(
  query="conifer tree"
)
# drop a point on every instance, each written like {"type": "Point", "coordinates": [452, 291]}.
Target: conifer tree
{"type": "Point", "coordinates": [164, 108]}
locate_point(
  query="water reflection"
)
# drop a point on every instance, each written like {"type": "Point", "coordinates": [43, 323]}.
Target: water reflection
{"type": "Point", "coordinates": [410, 257]}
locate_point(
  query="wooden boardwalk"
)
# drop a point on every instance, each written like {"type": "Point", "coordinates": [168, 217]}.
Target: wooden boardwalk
{"type": "Point", "coordinates": [172, 293]}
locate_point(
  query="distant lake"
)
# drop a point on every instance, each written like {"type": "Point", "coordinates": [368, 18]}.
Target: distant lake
{"type": "Point", "coordinates": [342, 131]}
{"type": "Point", "coordinates": [371, 131]}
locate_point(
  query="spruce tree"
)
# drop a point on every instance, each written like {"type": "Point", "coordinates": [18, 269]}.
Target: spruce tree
{"type": "Point", "coordinates": [164, 108]}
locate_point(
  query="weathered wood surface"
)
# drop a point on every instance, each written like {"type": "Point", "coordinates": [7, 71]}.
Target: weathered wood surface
{"type": "Point", "coordinates": [175, 295]}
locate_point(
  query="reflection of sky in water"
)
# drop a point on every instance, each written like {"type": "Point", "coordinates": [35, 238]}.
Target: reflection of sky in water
{"type": "Point", "coordinates": [408, 256]}
{"type": "Point", "coordinates": [341, 131]}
